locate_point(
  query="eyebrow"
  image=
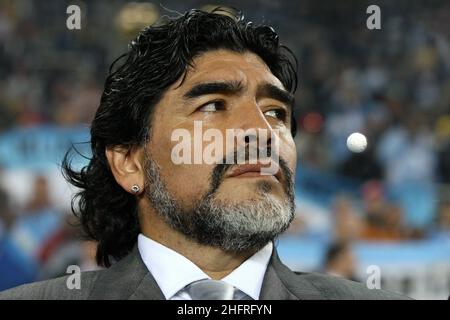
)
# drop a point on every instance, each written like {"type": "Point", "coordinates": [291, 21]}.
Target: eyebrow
{"type": "Point", "coordinates": [225, 87]}
{"type": "Point", "coordinates": [271, 91]}
{"type": "Point", "coordinates": [235, 87]}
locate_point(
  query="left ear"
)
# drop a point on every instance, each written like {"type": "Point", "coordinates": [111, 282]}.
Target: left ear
{"type": "Point", "coordinates": [127, 166]}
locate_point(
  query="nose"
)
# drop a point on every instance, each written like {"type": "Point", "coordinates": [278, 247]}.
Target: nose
{"type": "Point", "coordinates": [255, 127]}
{"type": "Point", "coordinates": [256, 136]}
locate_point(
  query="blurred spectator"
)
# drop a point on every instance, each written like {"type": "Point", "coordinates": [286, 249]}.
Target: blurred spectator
{"type": "Point", "coordinates": [385, 223]}
{"type": "Point", "coordinates": [384, 219]}
{"type": "Point", "coordinates": [442, 227]}
{"type": "Point", "coordinates": [407, 152]}
{"type": "Point", "coordinates": [340, 261]}
{"type": "Point", "coordinates": [444, 217]}
{"type": "Point", "coordinates": [311, 151]}
{"type": "Point", "coordinates": [35, 224]}
{"type": "Point", "coordinates": [64, 248]}
{"type": "Point", "coordinates": [347, 222]}
{"type": "Point", "coordinates": [30, 229]}
{"type": "Point", "coordinates": [79, 105]}
{"type": "Point", "coordinates": [443, 135]}
{"type": "Point", "coordinates": [6, 216]}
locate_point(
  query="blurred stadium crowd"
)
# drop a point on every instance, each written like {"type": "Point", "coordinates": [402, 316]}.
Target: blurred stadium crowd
{"type": "Point", "coordinates": [392, 85]}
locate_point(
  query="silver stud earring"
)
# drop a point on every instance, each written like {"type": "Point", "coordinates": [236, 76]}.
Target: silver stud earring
{"type": "Point", "coordinates": [135, 188]}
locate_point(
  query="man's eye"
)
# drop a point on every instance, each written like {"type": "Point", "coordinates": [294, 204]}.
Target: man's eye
{"type": "Point", "coordinates": [212, 106]}
{"type": "Point", "coordinates": [279, 114]}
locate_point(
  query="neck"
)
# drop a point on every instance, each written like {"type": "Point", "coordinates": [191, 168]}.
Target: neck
{"type": "Point", "coordinates": [215, 262]}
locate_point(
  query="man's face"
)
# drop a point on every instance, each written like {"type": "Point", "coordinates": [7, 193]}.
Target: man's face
{"type": "Point", "coordinates": [224, 90]}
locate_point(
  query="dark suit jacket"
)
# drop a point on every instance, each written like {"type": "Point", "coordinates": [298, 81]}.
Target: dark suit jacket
{"type": "Point", "coordinates": [130, 279]}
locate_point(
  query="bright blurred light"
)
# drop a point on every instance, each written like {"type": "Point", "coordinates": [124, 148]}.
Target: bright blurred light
{"type": "Point", "coordinates": [211, 7]}
{"type": "Point", "coordinates": [135, 16]}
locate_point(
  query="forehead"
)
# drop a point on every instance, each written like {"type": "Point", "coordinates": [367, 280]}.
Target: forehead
{"type": "Point", "coordinates": [223, 65]}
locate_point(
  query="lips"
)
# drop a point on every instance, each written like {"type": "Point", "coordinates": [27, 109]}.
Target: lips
{"type": "Point", "coordinates": [252, 170]}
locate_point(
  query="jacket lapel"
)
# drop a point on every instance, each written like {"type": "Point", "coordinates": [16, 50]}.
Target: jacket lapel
{"type": "Point", "coordinates": [127, 279]}
{"type": "Point", "coordinates": [130, 279]}
{"type": "Point", "coordinates": [280, 283]}
{"type": "Point", "coordinates": [148, 290]}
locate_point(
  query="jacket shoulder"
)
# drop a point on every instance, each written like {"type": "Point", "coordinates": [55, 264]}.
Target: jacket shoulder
{"type": "Point", "coordinates": [54, 289]}
{"type": "Point", "coordinates": [334, 288]}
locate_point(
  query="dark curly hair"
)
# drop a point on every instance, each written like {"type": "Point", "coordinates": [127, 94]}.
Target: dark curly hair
{"type": "Point", "coordinates": [156, 59]}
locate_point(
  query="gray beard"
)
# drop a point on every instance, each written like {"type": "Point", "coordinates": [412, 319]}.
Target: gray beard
{"type": "Point", "coordinates": [248, 225]}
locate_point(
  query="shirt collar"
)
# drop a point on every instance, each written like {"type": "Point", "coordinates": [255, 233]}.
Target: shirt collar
{"type": "Point", "coordinates": [249, 276]}
{"type": "Point", "coordinates": [171, 270]}
{"type": "Point", "coordinates": [165, 265]}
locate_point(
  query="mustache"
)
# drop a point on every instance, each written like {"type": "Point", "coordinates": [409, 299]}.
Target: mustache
{"type": "Point", "coordinates": [219, 171]}
{"type": "Point", "coordinates": [248, 153]}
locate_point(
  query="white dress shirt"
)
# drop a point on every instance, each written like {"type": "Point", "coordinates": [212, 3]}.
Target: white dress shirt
{"type": "Point", "coordinates": [173, 272]}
